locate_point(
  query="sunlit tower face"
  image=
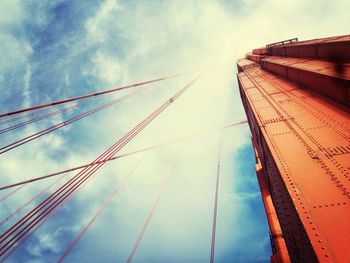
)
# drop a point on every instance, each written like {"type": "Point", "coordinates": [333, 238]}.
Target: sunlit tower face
{"type": "Point", "coordinates": [296, 98]}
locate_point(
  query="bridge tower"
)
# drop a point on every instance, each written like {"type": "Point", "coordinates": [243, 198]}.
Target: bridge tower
{"type": "Point", "coordinates": [296, 95]}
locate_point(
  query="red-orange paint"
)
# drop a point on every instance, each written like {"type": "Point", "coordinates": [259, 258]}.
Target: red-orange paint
{"type": "Point", "coordinates": [297, 103]}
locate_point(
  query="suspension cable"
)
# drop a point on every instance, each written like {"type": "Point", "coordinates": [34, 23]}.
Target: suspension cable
{"type": "Point", "coordinates": [38, 118]}
{"type": "Point", "coordinates": [48, 209]}
{"type": "Point", "coordinates": [62, 124]}
{"type": "Point", "coordinates": [12, 235]}
{"type": "Point", "coordinates": [8, 119]}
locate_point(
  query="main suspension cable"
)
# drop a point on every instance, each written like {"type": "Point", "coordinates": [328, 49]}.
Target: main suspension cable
{"type": "Point", "coordinates": [38, 118]}
{"type": "Point", "coordinates": [91, 95]}
{"type": "Point", "coordinates": [8, 119]}
{"type": "Point", "coordinates": [62, 124]}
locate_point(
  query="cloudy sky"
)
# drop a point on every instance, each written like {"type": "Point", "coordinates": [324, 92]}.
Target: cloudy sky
{"type": "Point", "coordinates": [58, 49]}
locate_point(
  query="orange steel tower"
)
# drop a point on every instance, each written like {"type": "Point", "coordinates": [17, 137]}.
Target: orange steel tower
{"type": "Point", "coordinates": [296, 95]}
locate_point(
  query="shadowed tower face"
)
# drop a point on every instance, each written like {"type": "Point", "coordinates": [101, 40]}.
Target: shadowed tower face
{"type": "Point", "coordinates": [296, 95]}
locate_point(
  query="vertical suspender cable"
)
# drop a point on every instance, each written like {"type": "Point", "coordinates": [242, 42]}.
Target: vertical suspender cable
{"type": "Point", "coordinates": [11, 193]}
{"type": "Point", "coordinates": [100, 210]}
{"type": "Point", "coordinates": [148, 220]}
{"type": "Point", "coordinates": [213, 237]}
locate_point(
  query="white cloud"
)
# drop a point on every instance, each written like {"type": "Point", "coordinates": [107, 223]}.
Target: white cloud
{"type": "Point", "coordinates": [11, 12]}
{"type": "Point", "coordinates": [15, 50]}
{"type": "Point", "coordinates": [26, 88]}
{"type": "Point", "coordinates": [107, 69]}
{"type": "Point", "coordinates": [45, 242]}
{"type": "Point", "coordinates": [16, 53]}
{"type": "Point", "coordinates": [105, 15]}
